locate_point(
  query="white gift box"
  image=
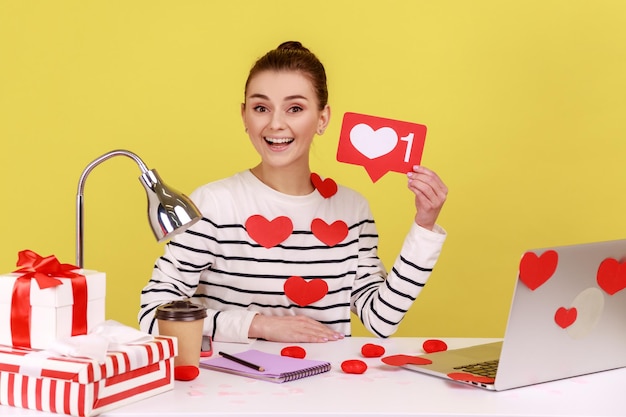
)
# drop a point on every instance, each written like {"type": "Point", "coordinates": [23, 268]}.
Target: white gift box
{"type": "Point", "coordinates": [51, 309]}
{"type": "Point", "coordinates": [84, 387]}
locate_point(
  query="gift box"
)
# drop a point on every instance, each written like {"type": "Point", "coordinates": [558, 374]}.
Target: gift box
{"type": "Point", "coordinates": [29, 378]}
{"type": "Point", "coordinates": [50, 313]}
{"type": "Point", "coordinates": [45, 300]}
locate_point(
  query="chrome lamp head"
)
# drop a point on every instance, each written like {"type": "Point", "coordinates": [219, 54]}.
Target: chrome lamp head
{"type": "Point", "coordinates": [169, 211]}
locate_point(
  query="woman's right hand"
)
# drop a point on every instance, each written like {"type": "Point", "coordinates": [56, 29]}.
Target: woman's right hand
{"type": "Point", "coordinates": [291, 329]}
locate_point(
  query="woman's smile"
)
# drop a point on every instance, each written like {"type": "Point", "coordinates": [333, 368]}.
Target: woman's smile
{"type": "Point", "coordinates": [278, 143]}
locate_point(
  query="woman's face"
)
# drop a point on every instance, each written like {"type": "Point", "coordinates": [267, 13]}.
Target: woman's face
{"type": "Point", "coordinates": [281, 115]}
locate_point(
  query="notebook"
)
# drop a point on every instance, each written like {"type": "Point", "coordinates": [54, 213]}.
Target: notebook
{"type": "Point", "coordinates": [277, 368]}
{"type": "Point", "coordinates": [567, 318]}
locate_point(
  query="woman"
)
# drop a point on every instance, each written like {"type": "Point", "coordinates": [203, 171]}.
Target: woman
{"type": "Point", "coordinates": [282, 254]}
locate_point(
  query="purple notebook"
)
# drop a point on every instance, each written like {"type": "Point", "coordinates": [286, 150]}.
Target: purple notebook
{"type": "Point", "coordinates": [277, 368]}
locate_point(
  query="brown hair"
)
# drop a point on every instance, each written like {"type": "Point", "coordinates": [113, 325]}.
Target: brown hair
{"type": "Point", "coordinates": [292, 56]}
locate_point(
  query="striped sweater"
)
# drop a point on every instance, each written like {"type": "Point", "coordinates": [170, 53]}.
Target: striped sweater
{"type": "Point", "coordinates": [237, 271]}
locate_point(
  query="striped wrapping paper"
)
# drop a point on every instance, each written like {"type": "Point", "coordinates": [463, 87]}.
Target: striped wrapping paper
{"type": "Point", "coordinates": [83, 387]}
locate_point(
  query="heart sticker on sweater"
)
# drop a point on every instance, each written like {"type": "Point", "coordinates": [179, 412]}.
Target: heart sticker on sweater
{"type": "Point", "coordinates": [611, 276]}
{"type": "Point", "coordinates": [535, 270]}
{"type": "Point", "coordinates": [269, 233]}
{"type": "Point", "coordinates": [327, 187]}
{"type": "Point", "coordinates": [565, 317]}
{"type": "Point", "coordinates": [304, 292]}
{"type": "Point", "coordinates": [331, 234]}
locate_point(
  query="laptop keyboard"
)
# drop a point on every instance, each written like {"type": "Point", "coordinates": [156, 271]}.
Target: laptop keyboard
{"type": "Point", "coordinates": [487, 368]}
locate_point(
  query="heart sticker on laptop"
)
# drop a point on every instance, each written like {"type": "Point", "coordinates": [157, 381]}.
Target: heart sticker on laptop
{"type": "Point", "coordinates": [465, 377]}
{"type": "Point", "coordinates": [535, 270]}
{"type": "Point", "coordinates": [611, 276]}
{"type": "Point", "coordinates": [565, 317]}
{"type": "Point", "coordinates": [304, 292]}
{"type": "Point", "coordinates": [399, 360]}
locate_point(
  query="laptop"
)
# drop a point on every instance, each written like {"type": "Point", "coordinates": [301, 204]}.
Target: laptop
{"type": "Point", "coordinates": [567, 318]}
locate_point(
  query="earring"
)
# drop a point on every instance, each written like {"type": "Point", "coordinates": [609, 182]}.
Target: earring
{"type": "Point", "coordinates": [320, 131]}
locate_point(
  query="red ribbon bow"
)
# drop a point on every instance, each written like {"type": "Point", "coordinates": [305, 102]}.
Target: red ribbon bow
{"type": "Point", "coordinates": [45, 272]}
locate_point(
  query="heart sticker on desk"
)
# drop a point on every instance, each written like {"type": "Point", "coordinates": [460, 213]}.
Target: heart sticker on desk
{"type": "Point", "coordinates": [370, 350]}
{"type": "Point", "coordinates": [304, 293]}
{"type": "Point", "coordinates": [535, 270]}
{"type": "Point", "coordinates": [399, 360]}
{"type": "Point", "coordinates": [434, 345]}
{"type": "Point", "coordinates": [293, 352]}
{"type": "Point", "coordinates": [353, 366]}
{"type": "Point", "coordinates": [330, 234]}
{"type": "Point", "coordinates": [565, 317]}
{"type": "Point", "coordinates": [611, 276]}
{"type": "Point", "coordinates": [269, 233]}
{"type": "Point", "coordinates": [327, 187]}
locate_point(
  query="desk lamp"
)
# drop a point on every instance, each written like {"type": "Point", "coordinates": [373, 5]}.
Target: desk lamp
{"type": "Point", "coordinates": [169, 211]}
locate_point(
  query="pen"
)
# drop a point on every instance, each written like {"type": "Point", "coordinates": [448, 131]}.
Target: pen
{"type": "Point", "coordinates": [241, 361]}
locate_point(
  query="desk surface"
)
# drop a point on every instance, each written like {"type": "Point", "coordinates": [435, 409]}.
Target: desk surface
{"type": "Point", "coordinates": [381, 390]}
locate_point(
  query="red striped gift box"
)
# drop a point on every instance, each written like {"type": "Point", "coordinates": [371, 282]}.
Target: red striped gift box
{"type": "Point", "coordinates": [84, 387]}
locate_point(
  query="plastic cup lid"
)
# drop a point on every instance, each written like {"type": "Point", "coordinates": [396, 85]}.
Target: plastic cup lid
{"type": "Point", "coordinates": [180, 310]}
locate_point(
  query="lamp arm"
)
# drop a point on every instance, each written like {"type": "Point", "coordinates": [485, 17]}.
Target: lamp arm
{"type": "Point", "coordinates": [80, 198]}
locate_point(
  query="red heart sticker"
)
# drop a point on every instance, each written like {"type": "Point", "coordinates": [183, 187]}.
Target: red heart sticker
{"type": "Point", "coordinates": [565, 317]}
{"type": "Point", "coordinates": [353, 366]}
{"type": "Point", "coordinates": [304, 293]}
{"type": "Point", "coordinates": [462, 376]}
{"type": "Point", "coordinates": [186, 372]}
{"type": "Point", "coordinates": [434, 345]}
{"type": "Point", "coordinates": [269, 233]}
{"type": "Point", "coordinates": [327, 188]}
{"type": "Point", "coordinates": [293, 352]}
{"type": "Point", "coordinates": [370, 350]}
{"type": "Point", "coordinates": [535, 270]}
{"type": "Point", "coordinates": [399, 360]}
{"type": "Point", "coordinates": [611, 276]}
{"type": "Point", "coordinates": [330, 234]}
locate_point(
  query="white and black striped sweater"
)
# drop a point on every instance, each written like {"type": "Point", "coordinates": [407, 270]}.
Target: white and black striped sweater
{"type": "Point", "coordinates": [220, 265]}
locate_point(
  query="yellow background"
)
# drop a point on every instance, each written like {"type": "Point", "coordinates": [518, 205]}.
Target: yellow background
{"type": "Point", "coordinates": [525, 103]}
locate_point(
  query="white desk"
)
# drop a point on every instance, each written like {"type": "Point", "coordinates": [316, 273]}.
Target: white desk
{"type": "Point", "coordinates": [382, 390]}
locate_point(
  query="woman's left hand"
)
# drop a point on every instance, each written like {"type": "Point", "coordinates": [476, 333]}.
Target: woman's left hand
{"type": "Point", "coordinates": [430, 194]}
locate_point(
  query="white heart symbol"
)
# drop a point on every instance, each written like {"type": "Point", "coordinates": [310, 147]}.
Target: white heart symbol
{"type": "Point", "coordinates": [373, 143]}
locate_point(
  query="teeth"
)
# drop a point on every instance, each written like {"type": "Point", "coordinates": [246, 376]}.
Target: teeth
{"type": "Point", "coordinates": [279, 140]}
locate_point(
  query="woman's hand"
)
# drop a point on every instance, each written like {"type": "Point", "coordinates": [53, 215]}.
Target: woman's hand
{"type": "Point", "coordinates": [291, 329]}
{"type": "Point", "coordinates": [430, 194]}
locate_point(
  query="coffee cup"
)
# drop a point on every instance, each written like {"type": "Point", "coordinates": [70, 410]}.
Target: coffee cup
{"type": "Point", "coordinates": [183, 320]}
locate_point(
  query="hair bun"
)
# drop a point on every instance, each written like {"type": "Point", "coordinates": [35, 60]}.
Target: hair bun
{"type": "Point", "coordinates": [291, 56]}
{"type": "Point", "coordinates": [293, 46]}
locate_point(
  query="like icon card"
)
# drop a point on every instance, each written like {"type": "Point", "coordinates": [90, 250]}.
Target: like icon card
{"type": "Point", "coordinates": [380, 145]}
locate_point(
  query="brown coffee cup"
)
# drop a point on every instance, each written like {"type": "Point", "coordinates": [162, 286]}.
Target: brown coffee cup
{"type": "Point", "coordinates": [183, 320]}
